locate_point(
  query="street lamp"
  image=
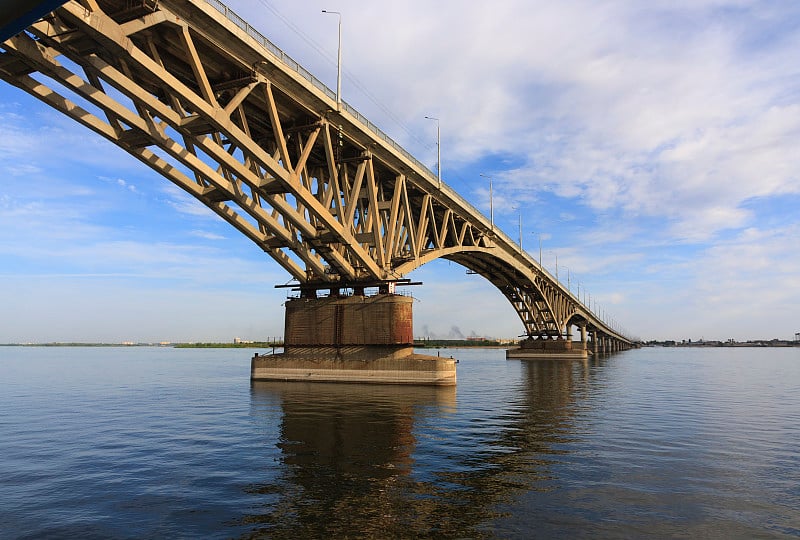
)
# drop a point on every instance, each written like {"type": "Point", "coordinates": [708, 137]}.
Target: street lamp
{"type": "Point", "coordinates": [540, 248]}
{"type": "Point", "coordinates": [556, 266]}
{"type": "Point", "coordinates": [491, 204]}
{"type": "Point", "coordinates": [438, 150]}
{"type": "Point", "coordinates": [338, 62]}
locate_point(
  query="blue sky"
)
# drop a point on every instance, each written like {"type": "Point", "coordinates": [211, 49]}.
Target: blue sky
{"type": "Point", "coordinates": [653, 148]}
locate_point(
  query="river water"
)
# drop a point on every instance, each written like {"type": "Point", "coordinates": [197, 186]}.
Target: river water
{"type": "Point", "coordinates": [160, 442]}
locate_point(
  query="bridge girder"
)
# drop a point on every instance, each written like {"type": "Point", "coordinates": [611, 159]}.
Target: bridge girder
{"type": "Point", "coordinates": [219, 114]}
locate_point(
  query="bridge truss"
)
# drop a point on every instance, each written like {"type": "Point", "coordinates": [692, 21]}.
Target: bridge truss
{"type": "Point", "coordinates": [193, 92]}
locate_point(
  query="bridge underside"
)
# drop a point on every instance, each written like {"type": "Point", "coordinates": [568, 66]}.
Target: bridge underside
{"type": "Point", "coordinates": [196, 94]}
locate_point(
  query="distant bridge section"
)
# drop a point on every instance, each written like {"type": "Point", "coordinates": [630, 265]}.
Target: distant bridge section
{"type": "Point", "coordinates": [192, 91]}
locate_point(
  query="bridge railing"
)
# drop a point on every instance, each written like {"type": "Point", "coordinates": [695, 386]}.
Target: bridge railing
{"type": "Point", "coordinates": [289, 62]}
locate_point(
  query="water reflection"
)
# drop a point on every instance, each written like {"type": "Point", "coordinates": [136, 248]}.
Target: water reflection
{"type": "Point", "coordinates": [551, 390]}
{"type": "Point", "coordinates": [345, 451]}
{"type": "Point", "coordinates": [376, 461]}
{"type": "Point", "coordinates": [545, 426]}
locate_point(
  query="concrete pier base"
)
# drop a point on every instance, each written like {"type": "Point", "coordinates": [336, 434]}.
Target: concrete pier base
{"type": "Point", "coordinates": [385, 365]}
{"type": "Point", "coordinates": [352, 339]}
{"type": "Point", "coordinates": [548, 349]}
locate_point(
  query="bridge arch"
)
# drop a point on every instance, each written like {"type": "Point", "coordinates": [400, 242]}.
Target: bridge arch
{"type": "Point", "coordinates": [516, 281]}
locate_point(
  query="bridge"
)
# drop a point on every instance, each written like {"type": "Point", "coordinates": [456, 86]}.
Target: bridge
{"type": "Point", "coordinates": [195, 93]}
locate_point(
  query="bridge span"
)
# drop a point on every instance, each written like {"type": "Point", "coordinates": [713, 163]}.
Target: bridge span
{"type": "Point", "coordinates": [195, 93]}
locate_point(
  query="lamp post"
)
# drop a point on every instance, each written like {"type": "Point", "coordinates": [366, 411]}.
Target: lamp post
{"type": "Point", "coordinates": [338, 62]}
{"type": "Point", "coordinates": [438, 151]}
{"type": "Point", "coordinates": [540, 248]}
{"type": "Point", "coordinates": [491, 203]}
{"type": "Point", "coordinates": [556, 266]}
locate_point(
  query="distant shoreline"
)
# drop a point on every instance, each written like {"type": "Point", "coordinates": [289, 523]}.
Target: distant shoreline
{"type": "Point", "coordinates": [723, 344]}
{"type": "Point", "coordinates": [420, 344]}
{"type": "Point", "coordinates": [438, 344]}
{"type": "Point", "coordinates": [250, 345]}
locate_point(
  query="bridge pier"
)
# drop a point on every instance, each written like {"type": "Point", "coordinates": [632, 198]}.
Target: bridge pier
{"type": "Point", "coordinates": [548, 349]}
{"type": "Point", "coordinates": [363, 339]}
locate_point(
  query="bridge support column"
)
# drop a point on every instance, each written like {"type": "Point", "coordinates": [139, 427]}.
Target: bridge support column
{"type": "Point", "coordinates": [352, 339]}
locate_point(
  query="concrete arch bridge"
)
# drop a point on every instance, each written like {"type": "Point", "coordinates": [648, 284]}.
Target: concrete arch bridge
{"type": "Point", "coordinates": [193, 92]}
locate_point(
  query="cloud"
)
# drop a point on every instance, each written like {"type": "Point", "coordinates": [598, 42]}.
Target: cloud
{"type": "Point", "coordinates": [23, 169]}
{"type": "Point", "coordinates": [124, 184]}
{"type": "Point", "coordinates": [208, 235]}
{"type": "Point", "coordinates": [120, 182]}
{"type": "Point", "coordinates": [15, 142]}
{"type": "Point", "coordinates": [186, 204]}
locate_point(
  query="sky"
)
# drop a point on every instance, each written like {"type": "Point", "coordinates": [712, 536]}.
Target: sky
{"type": "Point", "coordinates": [652, 149]}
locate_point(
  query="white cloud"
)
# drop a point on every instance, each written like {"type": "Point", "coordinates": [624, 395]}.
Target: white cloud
{"type": "Point", "coordinates": [122, 183]}
{"type": "Point", "coordinates": [208, 235]}
{"type": "Point", "coordinates": [184, 203]}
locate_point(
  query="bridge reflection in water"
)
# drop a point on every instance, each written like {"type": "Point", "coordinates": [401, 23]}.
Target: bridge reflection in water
{"type": "Point", "coordinates": [372, 461]}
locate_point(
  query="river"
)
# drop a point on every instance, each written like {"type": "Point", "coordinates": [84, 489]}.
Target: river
{"type": "Point", "coordinates": [161, 442]}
